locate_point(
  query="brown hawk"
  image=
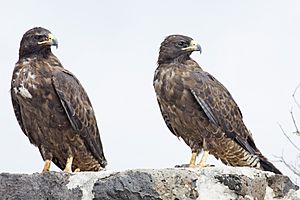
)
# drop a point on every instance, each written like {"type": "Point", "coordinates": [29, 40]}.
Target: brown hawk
{"type": "Point", "coordinates": [52, 107]}
{"type": "Point", "coordinates": [199, 109]}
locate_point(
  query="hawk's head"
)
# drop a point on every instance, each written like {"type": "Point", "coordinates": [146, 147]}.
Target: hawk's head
{"type": "Point", "coordinates": [37, 41]}
{"type": "Point", "coordinates": [177, 48]}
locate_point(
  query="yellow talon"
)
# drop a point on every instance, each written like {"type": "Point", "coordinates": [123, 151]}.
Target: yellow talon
{"type": "Point", "coordinates": [77, 170]}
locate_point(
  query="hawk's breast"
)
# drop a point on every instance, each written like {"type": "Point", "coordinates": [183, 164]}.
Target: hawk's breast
{"type": "Point", "coordinates": [24, 80]}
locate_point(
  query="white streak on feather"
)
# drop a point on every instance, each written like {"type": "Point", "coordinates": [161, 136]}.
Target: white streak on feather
{"type": "Point", "coordinates": [24, 92]}
{"type": "Point", "coordinates": [25, 62]}
{"type": "Point", "coordinates": [31, 76]}
{"type": "Point", "coordinates": [15, 90]}
{"type": "Point", "coordinates": [24, 70]}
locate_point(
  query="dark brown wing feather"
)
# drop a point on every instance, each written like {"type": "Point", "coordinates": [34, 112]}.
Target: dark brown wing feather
{"type": "Point", "coordinates": [17, 111]}
{"type": "Point", "coordinates": [79, 111]}
{"type": "Point", "coordinates": [167, 120]}
{"type": "Point", "coordinates": [221, 109]}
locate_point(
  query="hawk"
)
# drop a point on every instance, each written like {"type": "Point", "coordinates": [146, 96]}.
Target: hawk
{"type": "Point", "coordinates": [52, 107]}
{"type": "Point", "coordinates": [199, 109]}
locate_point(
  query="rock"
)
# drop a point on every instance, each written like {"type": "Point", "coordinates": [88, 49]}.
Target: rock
{"type": "Point", "coordinates": [150, 184]}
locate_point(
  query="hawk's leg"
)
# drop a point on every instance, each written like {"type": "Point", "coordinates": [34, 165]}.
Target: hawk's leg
{"type": "Point", "coordinates": [193, 159]}
{"type": "Point", "coordinates": [202, 162]}
{"type": "Point", "coordinates": [68, 167]}
{"type": "Point", "coordinates": [47, 166]}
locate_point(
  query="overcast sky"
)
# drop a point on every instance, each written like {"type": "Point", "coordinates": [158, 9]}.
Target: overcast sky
{"type": "Point", "coordinates": [252, 47]}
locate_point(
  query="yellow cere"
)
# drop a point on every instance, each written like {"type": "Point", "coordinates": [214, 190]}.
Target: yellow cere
{"type": "Point", "coordinates": [192, 46]}
{"type": "Point", "coordinates": [193, 43]}
{"type": "Point", "coordinates": [50, 38]}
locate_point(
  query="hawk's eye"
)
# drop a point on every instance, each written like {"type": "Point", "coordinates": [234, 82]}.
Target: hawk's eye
{"type": "Point", "coordinates": [38, 37]}
{"type": "Point", "coordinates": [182, 44]}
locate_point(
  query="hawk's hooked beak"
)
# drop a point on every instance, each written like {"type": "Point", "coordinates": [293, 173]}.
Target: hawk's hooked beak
{"type": "Point", "coordinates": [194, 46]}
{"type": "Point", "coordinates": [51, 40]}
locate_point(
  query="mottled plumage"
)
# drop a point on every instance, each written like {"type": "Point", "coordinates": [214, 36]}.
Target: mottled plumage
{"type": "Point", "coordinates": [52, 107]}
{"type": "Point", "coordinates": [199, 109]}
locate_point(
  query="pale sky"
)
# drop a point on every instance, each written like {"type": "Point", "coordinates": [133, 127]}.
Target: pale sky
{"type": "Point", "coordinates": [112, 47]}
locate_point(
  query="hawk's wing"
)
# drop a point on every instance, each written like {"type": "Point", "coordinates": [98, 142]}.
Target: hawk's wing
{"type": "Point", "coordinates": [17, 111]}
{"type": "Point", "coordinates": [16, 107]}
{"type": "Point", "coordinates": [221, 109]}
{"type": "Point", "coordinates": [166, 119]}
{"type": "Point", "coordinates": [79, 110]}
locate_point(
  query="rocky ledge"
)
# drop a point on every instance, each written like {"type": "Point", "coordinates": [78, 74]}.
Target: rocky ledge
{"type": "Point", "coordinates": [150, 184]}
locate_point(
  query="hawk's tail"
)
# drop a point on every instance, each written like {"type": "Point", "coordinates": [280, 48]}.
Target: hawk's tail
{"type": "Point", "coordinates": [267, 165]}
